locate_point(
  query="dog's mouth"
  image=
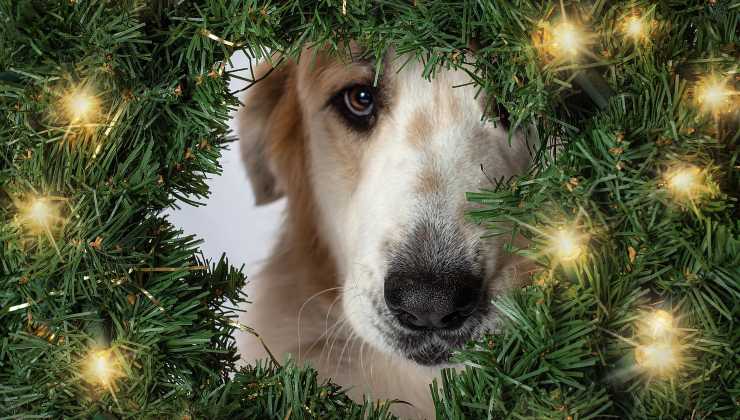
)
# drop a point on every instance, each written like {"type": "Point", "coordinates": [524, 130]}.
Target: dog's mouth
{"type": "Point", "coordinates": [431, 354]}
{"type": "Point", "coordinates": [433, 348]}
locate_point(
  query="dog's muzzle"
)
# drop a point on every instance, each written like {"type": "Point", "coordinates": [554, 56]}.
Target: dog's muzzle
{"type": "Point", "coordinates": [434, 293]}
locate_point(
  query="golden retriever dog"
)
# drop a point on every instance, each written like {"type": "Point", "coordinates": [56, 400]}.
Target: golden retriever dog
{"type": "Point", "coordinates": [378, 275]}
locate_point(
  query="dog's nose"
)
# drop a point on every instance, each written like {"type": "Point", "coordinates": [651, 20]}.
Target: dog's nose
{"type": "Point", "coordinates": [432, 302]}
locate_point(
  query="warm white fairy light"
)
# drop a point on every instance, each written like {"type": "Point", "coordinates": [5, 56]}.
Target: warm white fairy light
{"type": "Point", "coordinates": [567, 245]}
{"type": "Point", "coordinates": [634, 26]}
{"type": "Point", "coordinates": [562, 40]}
{"type": "Point", "coordinates": [658, 357]}
{"type": "Point", "coordinates": [102, 368]}
{"type": "Point", "coordinates": [39, 213]}
{"type": "Point", "coordinates": [660, 324]}
{"type": "Point", "coordinates": [659, 352]}
{"type": "Point", "coordinates": [713, 94]}
{"type": "Point", "coordinates": [685, 181]}
{"type": "Point", "coordinates": [566, 38]}
{"type": "Point", "coordinates": [80, 105]}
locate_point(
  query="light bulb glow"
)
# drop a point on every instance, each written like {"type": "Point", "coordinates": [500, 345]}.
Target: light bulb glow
{"type": "Point", "coordinates": [657, 357]}
{"type": "Point", "coordinates": [713, 95]}
{"type": "Point", "coordinates": [80, 105]}
{"type": "Point", "coordinates": [634, 27]}
{"type": "Point", "coordinates": [660, 324]}
{"type": "Point", "coordinates": [102, 368]}
{"type": "Point", "coordinates": [684, 181]}
{"type": "Point", "coordinates": [567, 245]}
{"type": "Point", "coordinates": [561, 40]}
{"type": "Point", "coordinates": [40, 212]}
{"type": "Point", "coordinates": [566, 38]}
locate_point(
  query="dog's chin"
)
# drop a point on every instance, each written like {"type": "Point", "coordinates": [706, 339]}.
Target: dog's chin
{"type": "Point", "coordinates": [431, 348]}
{"type": "Point", "coordinates": [426, 347]}
{"type": "Point", "coordinates": [431, 355]}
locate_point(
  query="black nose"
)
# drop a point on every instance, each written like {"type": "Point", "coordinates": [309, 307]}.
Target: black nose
{"type": "Point", "coordinates": [432, 301]}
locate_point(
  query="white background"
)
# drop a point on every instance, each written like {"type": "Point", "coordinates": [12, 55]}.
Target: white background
{"type": "Point", "coordinates": [230, 222]}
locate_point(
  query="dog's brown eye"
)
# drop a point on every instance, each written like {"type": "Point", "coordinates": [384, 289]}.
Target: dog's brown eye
{"type": "Point", "coordinates": [359, 100]}
{"type": "Point", "coordinates": [358, 105]}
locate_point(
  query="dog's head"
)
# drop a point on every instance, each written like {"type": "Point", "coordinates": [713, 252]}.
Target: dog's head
{"type": "Point", "coordinates": [383, 168]}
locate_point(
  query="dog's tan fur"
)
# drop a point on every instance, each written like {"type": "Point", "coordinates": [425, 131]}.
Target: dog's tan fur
{"type": "Point", "coordinates": [298, 292]}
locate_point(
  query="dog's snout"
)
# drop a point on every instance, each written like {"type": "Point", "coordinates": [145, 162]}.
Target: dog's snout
{"type": "Point", "coordinates": [429, 302]}
{"type": "Point", "coordinates": [431, 281]}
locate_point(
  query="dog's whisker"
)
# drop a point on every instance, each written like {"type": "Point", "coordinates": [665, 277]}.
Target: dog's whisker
{"type": "Point", "coordinates": [328, 332]}
{"type": "Point", "coordinates": [303, 306]}
{"type": "Point", "coordinates": [367, 380]}
{"type": "Point", "coordinates": [337, 329]}
{"type": "Point", "coordinates": [335, 338]}
{"type": "Point", "coordinates": [331, 307]}
{"type": "Point", "coordinates": [351, 339]}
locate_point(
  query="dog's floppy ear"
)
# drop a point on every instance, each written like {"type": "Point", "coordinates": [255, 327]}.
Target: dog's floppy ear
{"type": "Point", "coordinates": [264, 121]}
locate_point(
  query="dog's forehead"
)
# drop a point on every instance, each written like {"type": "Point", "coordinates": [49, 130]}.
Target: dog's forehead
{"type": "Point", "coordinates": [318, 71]}
{"type": "Point", "coordinates": [316, 65]}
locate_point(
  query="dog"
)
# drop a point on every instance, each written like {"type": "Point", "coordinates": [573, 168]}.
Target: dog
{"type": "Point", "coordinates": [377, 275]}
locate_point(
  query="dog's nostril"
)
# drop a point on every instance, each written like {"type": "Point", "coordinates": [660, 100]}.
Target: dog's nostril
{"type": "Point", "coordinates": [410, 320]}
{"type": "Point", "coordinates": [467, 309]}
{"type": "Point", "coordinates": [454, 319]}
{"type": "Point", "coordinates": [431, 319]}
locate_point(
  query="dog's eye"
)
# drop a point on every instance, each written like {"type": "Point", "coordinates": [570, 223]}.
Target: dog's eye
{"type": "Point", "coordinates": [358, 105]}
{"type": "Point", "coordinates": [359, 100]}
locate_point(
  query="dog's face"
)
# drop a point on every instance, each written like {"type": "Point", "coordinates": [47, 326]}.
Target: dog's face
{"type": "Point", "coordinates": [385, 168]}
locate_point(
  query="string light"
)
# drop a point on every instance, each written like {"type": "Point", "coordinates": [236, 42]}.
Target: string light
{"type": "Point", "coordinates": [634, 26]}
{"type": "Point", "coordinates": [567, 245]}
{"type": "Point", "coordinates": [659, 353]}
{"type": "Point", "coordinates": [713, 94]}
{"type": "Point", "coordinates": [564, 39]}
{"type": "Point", "coordinates": [684, 181]}
{"type": "Point", "coordinates": [39, 213]}
{"type": "Point", "coordinates": [660, 324]}
{"type": "Point", "coordinates": [659, 358]}
{"type": "Point", "coordinates": [102, 368]}
{"type": "Point", "coordinates": [80, 105]}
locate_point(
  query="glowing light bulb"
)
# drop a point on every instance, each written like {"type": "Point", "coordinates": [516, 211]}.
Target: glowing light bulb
{"type": "Point", "coordinates": [80, 105]}
{"type": "Point", "coordinates": [657, 357]}
{"type": "Point", "coordinates": [713, 95]}
{"type": "Point", "coordinates": [634, 27]}
{"type": "Point", "coordinates": [101, 367]}
{"type": "Point", "coordinates": [566, 38]}
{"type": "Point", "coordinates": [40, 212]}
{"type": "Point", "coordinates": [684, 181]}
{"type": "Point", "coordinates": [660, 324]}
{"type": "Point", "coordinates": [567, 245]}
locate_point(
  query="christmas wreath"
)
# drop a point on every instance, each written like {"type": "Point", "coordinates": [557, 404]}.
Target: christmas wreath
{"type": "Point", "coordinates": [113, 111]}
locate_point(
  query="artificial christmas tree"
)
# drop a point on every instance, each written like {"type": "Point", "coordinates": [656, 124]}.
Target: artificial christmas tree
{"type": "Point", "coordinates": [112, 111]}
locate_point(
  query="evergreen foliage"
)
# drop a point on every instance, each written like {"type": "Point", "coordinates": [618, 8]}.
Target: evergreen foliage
{"type": "Point", "coordinates": [108, 271]}
{"type": "Point", "coordinates": [624, 113]}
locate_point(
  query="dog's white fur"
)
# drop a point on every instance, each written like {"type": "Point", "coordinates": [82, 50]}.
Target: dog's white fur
{"type": "Point", "coordinates": [353, 197]}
